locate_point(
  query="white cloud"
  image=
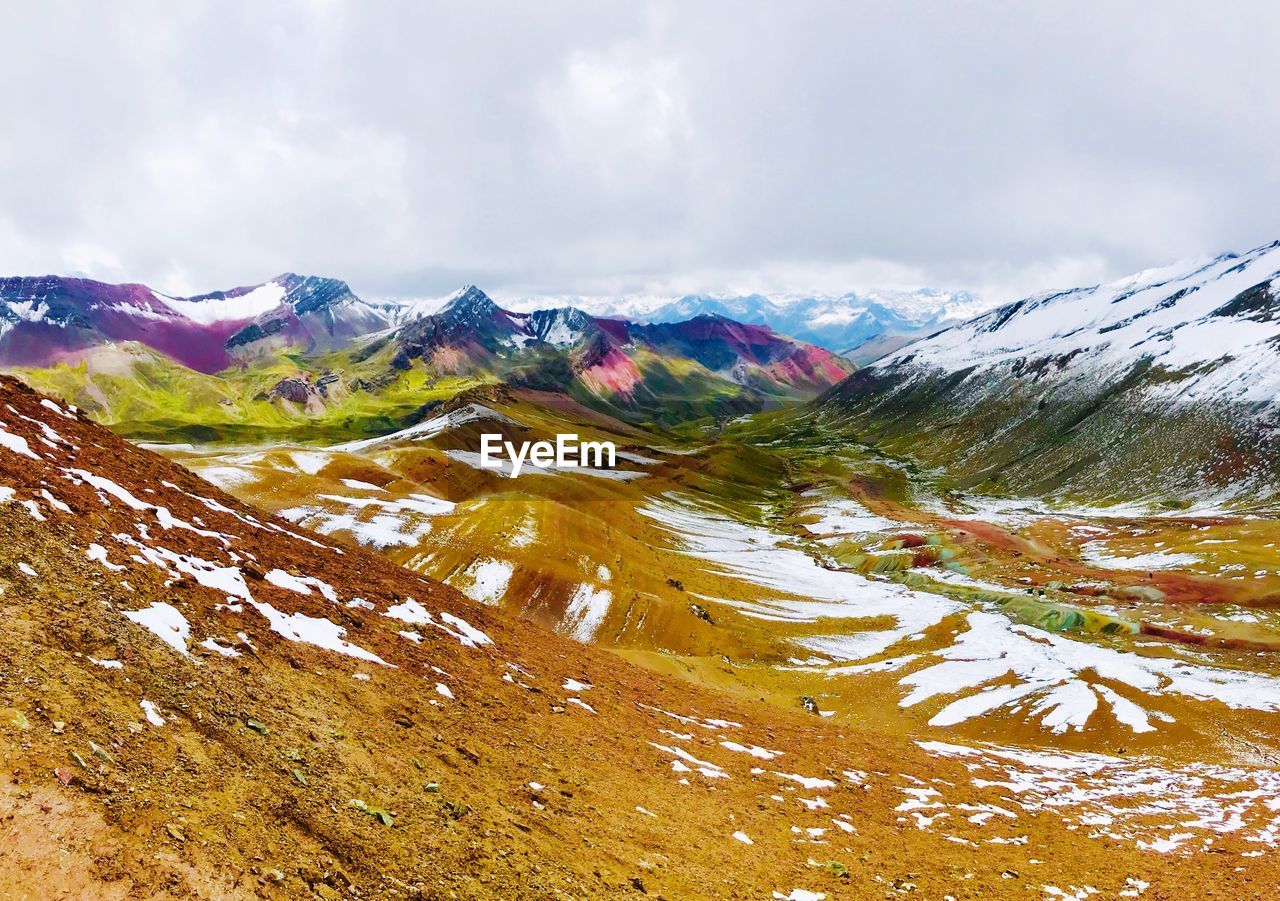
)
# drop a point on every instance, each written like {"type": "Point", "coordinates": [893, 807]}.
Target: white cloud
{"type": "Point", "coordinates": [92, 261]}
{"type": "Point", "coordinates": [613, 146]}
{"type": "Point", "coordinates": [613, 115]}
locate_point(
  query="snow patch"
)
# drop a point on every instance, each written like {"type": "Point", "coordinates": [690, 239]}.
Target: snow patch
{"type": "Point", "coordinates": [585, 612]}
{"type": "Point", "coordinates": [166, 622]}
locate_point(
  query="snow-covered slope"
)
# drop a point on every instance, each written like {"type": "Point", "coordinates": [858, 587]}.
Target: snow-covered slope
{"type": "Point", "coordinates": [309, 312]}
{"type": "Point", "coordinates": [1212, 324]}
{"type": "Point", "coordinates": [1163, 383]}
{"type": "Point", "coordinates": [240, 304]}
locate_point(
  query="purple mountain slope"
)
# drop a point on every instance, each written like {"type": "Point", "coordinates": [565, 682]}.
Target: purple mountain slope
{"type": "Point", "coordinates": [50, 319]}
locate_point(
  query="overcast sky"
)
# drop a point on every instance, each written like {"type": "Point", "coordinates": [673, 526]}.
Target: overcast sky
{"type": "Point", "coordinates": [601, 147]}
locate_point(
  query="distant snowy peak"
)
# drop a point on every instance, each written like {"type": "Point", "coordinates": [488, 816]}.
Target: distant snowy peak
{"type": "Point", "coordinates": [469, 316]}
{"type": "Point", "coordinates": [561, 327]}
{"type": "Point", "coordinates": [836, 322]}
{"type": "Point", "coordinates": [1212, 323]}
{"type": "Point", "coordinates": [842, 322]}
{"type": "Point", "coordinates": [920, 306]}
{"type": "Point", "coordinates": [469, 301]}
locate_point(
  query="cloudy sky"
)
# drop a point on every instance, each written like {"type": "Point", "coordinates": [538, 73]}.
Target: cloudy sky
{"type": "Point", "coordinates": [600, 147]}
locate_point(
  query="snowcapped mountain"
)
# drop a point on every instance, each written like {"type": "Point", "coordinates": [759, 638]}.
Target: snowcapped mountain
{"type": "Point", "coordinates": [637, 365]}
{"type": "Point", "coordinates": [839, 323]}
{"type": "Point", "coordinates": [709, 365]}
{"type": "Point", "coordinates": [51, 319]}
{"type": "Point", "coordinates": [562, 327]}
{"type": "Point", "coordinates": [469, 318]}
{"type": "Point", "coordinates": [1169, 374]}
{"type": "Point", "coordinates": [310, 312]}
{"type": "Point", "coordinates": [1212, 326]}
{"type": "Point", "coordinates": [842, 323]}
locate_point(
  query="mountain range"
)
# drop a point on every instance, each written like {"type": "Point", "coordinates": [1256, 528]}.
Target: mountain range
{"type": "Point", "coordinates": [862, 325]}
{"type": "Point", "coordinates": [1162, 383]}
{"type": "Point", "coordinates": [305, 344]}
{"type": "Point", "coordinates": [50, 319]}
{"type": "Point", "coordinates": [646, 366]}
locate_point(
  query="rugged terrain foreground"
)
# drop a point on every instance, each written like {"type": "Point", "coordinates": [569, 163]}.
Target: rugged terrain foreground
{"type": "Point", "coordinates": [199, 700]}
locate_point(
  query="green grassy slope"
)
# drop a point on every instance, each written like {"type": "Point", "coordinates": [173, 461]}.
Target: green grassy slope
{"type": "Point", "coordinates": [148, 397]}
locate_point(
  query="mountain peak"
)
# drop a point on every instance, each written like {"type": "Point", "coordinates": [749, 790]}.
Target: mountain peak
{"type": "Point", "coordinates": [469, 298]}
{"type": "Point", "coordinates": [559, 326]}
{"type": "Point", "coordinates": [308, 293]}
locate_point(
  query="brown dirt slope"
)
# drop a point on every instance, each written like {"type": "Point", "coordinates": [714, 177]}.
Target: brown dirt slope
{"type": "Point", "coordinates": [319, 723]}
